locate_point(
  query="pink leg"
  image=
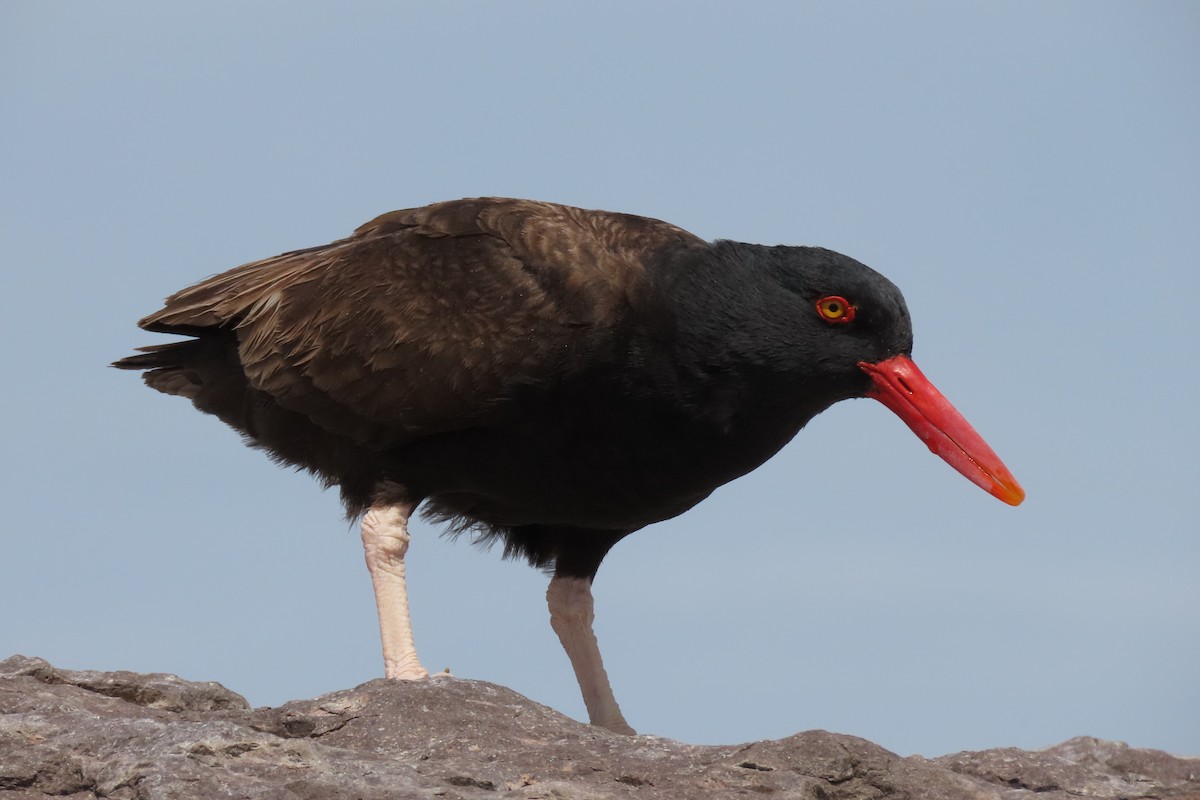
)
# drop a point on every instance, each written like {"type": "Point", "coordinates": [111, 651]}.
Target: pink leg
{"type": "Point", "coordinates": [571, 616]}
{"type": "Point", "coordinates": [385, 541]}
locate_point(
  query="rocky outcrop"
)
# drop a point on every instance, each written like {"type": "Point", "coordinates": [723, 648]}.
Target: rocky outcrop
{"type": "Point", "coordinates": [70, 734]}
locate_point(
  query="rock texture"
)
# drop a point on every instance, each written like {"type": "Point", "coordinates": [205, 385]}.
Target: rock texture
{"type": "Point", "coordinates": [72, 734]}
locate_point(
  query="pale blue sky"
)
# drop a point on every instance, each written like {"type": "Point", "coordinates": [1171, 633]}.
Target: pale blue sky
{"type": "Point", "coordinates": [1027, 173]}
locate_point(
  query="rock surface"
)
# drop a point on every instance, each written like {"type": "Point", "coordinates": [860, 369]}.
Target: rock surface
{"type": "Point", "coordinates": [71, 734]}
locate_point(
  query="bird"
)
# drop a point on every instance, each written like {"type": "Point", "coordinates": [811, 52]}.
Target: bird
{"type": "Point", "coordinates": [546, 377]}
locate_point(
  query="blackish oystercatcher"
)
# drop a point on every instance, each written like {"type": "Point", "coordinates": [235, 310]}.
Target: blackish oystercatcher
{"type": "Point", "coordinates": [545, 376]}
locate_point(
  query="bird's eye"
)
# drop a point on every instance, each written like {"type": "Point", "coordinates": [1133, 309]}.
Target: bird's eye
{"type": "Point", "coordinates": [835, 309]}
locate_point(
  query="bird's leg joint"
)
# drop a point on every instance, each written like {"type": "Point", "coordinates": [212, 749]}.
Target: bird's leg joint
{"type": "Point", "coordinates": [385, 537]}
{"type": "Point", "coordinates": [571, 603]}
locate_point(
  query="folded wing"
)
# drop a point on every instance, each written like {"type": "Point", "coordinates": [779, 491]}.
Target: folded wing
{"type": "Point", "coordinates": [421, 321]}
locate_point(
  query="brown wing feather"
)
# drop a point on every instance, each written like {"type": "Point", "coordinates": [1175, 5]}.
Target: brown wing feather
{"type": "Point", "coordinates": [594, 258]}
{"type": "Point", "coordinates": [423, 318]}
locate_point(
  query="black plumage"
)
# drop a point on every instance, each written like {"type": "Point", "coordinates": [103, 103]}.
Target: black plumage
{"type": "Point", "coordinates": [547, 376]}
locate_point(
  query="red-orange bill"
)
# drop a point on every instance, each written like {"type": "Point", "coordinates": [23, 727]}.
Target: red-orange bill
{"type": "Point", "coordinates": [900, 386]}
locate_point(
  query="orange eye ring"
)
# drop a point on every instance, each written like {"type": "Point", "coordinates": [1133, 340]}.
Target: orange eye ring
{"type": "Point", "coordinates": [833, 308]}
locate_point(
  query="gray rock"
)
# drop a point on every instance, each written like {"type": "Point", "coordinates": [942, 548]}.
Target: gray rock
{"type": "Point", "coordinates": [81, 735]}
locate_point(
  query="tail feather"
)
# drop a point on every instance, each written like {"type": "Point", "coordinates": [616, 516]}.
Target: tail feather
{"type": "Point", "coordinates": [174, 368]}
{"type": "Point", "coordinates": [152, 356]}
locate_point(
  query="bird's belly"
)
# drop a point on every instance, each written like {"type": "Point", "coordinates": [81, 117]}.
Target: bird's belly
{"type": "Point", "coordinates": [613, 473]}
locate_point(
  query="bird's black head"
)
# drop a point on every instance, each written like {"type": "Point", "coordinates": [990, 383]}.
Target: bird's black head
{"type": "Point", "coordinates": [800, 328]}
{"type": "Point", "coordinates": [854, 312]}
{"type": "Point", "coordinates": [806, 317]}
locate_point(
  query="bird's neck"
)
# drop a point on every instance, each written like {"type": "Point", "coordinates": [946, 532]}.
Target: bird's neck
{"type": "Point", "coordinates": [707, 352]}
{"type": "Point", "coordinates": [733, 334]}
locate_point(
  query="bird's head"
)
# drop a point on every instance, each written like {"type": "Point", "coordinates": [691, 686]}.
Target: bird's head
{"type": "Point", "coordinates": [848, 328]}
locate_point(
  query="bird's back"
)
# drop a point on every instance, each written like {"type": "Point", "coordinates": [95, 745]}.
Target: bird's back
{"type": "Point", "coordinates": [424, 321]}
